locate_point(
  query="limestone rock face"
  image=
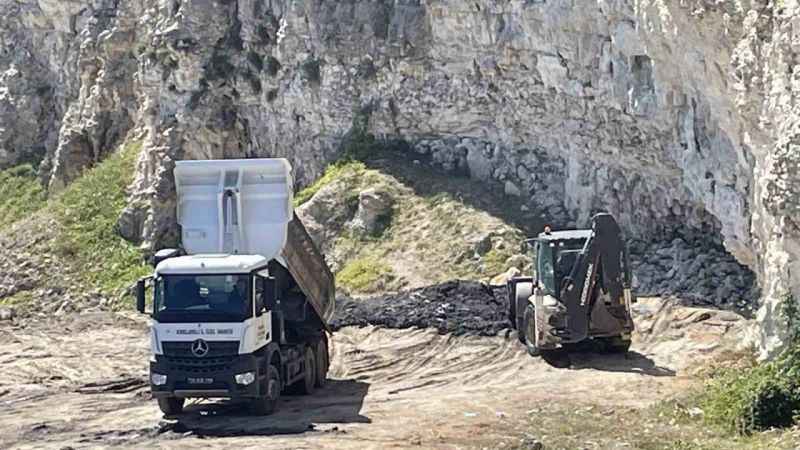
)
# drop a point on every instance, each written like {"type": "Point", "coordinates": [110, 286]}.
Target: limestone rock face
{"type": "Point", "coordinates": [67, 82]}
{"type": "Point", "coordinates": [677, 117]}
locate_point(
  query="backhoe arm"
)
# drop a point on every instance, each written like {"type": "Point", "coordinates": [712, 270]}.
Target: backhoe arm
{"type": "Point", "coordinates": [599, 266]}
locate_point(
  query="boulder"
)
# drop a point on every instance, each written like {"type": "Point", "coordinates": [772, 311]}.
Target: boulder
{"type": "Point", "coordinates": [7, 314]}
{"type": "Point", "coordinates": [502, 279]}
{"type": "Point", "coordinates": [519, 261]}
{"type": "Point", "coordinates": [374, 211]}
{"type": "Point", "coordinates": [512, 189]}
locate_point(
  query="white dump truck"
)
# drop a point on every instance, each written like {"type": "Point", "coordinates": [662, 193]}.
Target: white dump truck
{"type": "Point", "coordinates": [242, 311]}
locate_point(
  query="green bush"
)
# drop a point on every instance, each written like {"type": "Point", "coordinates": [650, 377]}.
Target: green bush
{"type": "Point", "coordinates": [359, 144]}
{"type": "Point", "coordinates": [763, 396]}
{"type": "Point", "coordinates": [336, 171]}
{"type": "Point", "coordinates": [365, 275]}
{"type": "Point", "coordinates": [21, 194]}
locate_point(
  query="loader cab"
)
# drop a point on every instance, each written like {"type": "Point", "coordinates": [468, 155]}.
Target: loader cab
{"type": "Point", "coordinates": [555, 255]}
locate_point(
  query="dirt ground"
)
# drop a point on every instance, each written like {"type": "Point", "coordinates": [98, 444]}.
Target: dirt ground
{"type": "Point", "coordinates": [79, 381]}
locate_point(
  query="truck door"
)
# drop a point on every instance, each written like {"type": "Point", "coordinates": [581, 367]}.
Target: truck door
{"type": "Point", "coordinates": [263, 312]}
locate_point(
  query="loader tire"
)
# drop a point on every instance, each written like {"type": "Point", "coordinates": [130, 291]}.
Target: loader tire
{"type": "Point", "coordinates": [171, 406]}
{"type": "Point", "coordinates": [617, 344]}
{"type": "Point", "coordinates": [267, 404]}
{"type": "Point", "coordinates": [522, 292]}
{"type": "Point", "coordinates": [529, 321]}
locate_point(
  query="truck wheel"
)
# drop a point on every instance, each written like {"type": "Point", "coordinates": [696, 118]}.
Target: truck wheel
{"type": "Point", "coordinates": [529, 319]}
{"type": "Point", "coordinates": [306, 385]}
{"type": "Point", "coordinates": [171, 406]}
{"type": "Point", "coordinates": [323, 362]}
{"type": "Point", "coordinates": [267, 404]}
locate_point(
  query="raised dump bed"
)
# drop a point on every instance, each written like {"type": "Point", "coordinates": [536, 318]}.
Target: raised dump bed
{"type": "Point", "coordinates": [245, 207]}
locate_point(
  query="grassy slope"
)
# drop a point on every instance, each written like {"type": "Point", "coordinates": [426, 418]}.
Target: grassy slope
{"type": "Point", "coordinates": [87, 212]}
{"type": "Point", "coordinates": [428, 239]}
{"type": "Point", "coordinates": [72, 237]}
{"type": "Point", "coordinates": [664, 426]}
{"type": "Point", "coordinates": [336, 171]}
{"type": "Point", "coordinates": [21, 194]}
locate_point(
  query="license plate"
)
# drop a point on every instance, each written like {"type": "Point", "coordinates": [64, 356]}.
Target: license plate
{"type": "Point", "coordinates": [200, 380]}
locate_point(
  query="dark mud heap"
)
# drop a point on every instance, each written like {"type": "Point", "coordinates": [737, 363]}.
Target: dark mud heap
{"type": "Point", "coordinates": [457, 307]}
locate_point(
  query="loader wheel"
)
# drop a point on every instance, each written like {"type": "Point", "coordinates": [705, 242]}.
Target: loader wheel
{"type": "Point", "coordinates": [267, 404]}
{"type": "Point", "coordinates": [617, 344]}
{"type": "Point", "coordinates": [522, 293]}
{"type": "Point", "coordinates": [171, 406]}
{"type": "Point", "coordinates": [530, 330]}
{"type": "Point", "coordinates": [323, 361]}
{"type": "Point", "coordinates": [306, 385]}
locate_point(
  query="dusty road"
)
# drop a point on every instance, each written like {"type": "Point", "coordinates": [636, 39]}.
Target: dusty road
{"type": "Point", "coordinates": [79, 382]}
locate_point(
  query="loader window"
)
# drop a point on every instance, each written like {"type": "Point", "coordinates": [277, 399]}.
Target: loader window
{"type": "Point", "coordinates": [566, 259]}
{"type": "Point", "coordinates": [544, 267]}
{"type": "Point", "coordinates": [203, 298]}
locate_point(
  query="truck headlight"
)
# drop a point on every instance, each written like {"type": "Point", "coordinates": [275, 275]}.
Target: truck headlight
{"type": "Point", "coordinates": [245, 378]}
{"type": "Point", "coordinates": [157, 379]}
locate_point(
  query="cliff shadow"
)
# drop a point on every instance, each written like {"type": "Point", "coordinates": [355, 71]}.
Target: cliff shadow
{"type": "Point", "coordinates": [418, 172]}
{"type": "Point", "coordinates": [339, 402]}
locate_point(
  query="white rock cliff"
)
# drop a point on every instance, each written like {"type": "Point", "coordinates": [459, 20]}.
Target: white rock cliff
{"type": "Point", "coordinates": [673, 115]}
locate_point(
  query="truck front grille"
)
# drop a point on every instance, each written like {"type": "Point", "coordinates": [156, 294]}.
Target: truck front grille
{"type": "Point", "coordinates": [220, 357]}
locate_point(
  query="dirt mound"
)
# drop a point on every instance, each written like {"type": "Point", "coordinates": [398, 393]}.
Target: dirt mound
{"type": "Point", "coordinates": [457, 307]}
{"type": "Point", "coordinates": [380, 233]}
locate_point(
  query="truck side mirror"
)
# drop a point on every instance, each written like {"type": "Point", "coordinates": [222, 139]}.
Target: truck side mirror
{"type": "Point", "coordinates": [140, 294]}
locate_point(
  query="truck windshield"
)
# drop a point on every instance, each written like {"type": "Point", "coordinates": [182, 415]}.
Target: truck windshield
{"type": "Point", "coordinates": [189, 298]}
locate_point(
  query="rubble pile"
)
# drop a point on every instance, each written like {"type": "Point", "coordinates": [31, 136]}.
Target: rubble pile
{"type": "Point", "coordinates": [695, 269]}
{"type": "Point", "coordinates": [457, 307]}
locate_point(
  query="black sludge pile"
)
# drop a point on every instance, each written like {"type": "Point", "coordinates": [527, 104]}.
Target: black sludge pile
{"type": "Point", "coordinates": [457, 307]}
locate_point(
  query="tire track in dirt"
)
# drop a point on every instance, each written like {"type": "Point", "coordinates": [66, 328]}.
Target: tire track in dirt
{"type": "Point", "coordinates": [389, 387]}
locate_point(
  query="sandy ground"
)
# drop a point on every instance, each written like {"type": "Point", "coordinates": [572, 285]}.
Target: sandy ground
{"type": "Point", "coordinates": [79, 382]}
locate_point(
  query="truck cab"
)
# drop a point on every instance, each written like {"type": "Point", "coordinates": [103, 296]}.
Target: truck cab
{"type": "Point", "coordinates": [211, 327]}
{"type": "Point", "coordinates": [242, 311]}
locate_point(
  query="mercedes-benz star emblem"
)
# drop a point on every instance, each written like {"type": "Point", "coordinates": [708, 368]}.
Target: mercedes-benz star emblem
{"type": "Point", "coordinates": [199, 348]}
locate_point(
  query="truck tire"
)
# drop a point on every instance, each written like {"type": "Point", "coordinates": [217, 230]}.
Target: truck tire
{"type": "Point", "coordinates": [323, 361]}
{"type": "Point", "coordinates": [529, 321]}
{"type": "Point", "coordinates": [171, 406]}
{"type": "Point", "coordinates": [267, 404]}
{"type": "Point", "coordinates": [305, 386]}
